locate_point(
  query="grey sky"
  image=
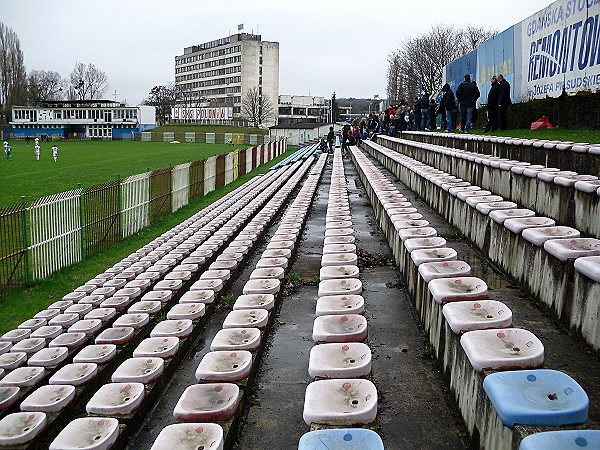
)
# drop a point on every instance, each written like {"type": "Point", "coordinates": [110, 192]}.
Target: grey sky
{"type": "Point", "coordinates": [325, 45]}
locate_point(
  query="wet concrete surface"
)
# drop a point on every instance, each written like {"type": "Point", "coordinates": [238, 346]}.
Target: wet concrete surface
{"type": "Point", "coordinates": [413, 408]}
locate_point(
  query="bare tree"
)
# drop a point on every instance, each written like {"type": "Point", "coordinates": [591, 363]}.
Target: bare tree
{"type": "Point", "coordinates": [87, 82]}
{"type": "Point", "coordinates": [257, 108]}
{"type": "Point", "coordinates": [45, 85]}
{"type": "Point", "coordinates": [419, 62]}
{"type": "Point", "coordinates": [163, 98]}
{"type": "Point", "coordinates": [13, 77]}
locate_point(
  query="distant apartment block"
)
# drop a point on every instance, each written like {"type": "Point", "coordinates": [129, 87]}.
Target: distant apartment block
{"type": "Point", "coordinates": [219, 73]}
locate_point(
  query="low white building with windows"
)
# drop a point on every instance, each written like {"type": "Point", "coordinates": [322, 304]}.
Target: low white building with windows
{"type": "Point", "coordinates": [303, 109]}
{"type": "Point", "coordinates": [82, 119]}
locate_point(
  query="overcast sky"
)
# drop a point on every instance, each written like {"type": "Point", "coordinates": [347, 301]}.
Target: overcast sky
{"type": "Point", "coordinates": [325, 45]}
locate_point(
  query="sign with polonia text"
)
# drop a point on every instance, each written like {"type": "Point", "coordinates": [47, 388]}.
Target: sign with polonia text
{"type": "Point", "coordinates": [198, 114]}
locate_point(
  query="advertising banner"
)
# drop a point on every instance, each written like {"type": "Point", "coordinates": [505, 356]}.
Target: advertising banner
{"type": "Point", "coordinates": [560, 49]}
{"type": "Point", "coordinates": [494, 56]}
{"type": "Point", "coordinates": [201, 114]}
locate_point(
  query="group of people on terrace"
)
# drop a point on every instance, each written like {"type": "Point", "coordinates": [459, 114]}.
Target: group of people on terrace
{"type": "Point", "coordinates": [457, 110]}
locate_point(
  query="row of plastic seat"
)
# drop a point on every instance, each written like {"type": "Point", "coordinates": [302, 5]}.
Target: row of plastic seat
{"type": "Point", "coordinates": [67, 323]}
{"type": "Point", "coordinates": [485, 326]}
{"type": "Point", "coordinates": [340, 395]}
{"type": "Point", "coordinates": [532, 246]}
{"type": "Point", "coordinates": [135, 375]}
{"type": "Point", "coordinates": [232, 358]}
{"type": "Point", "coordinates": [563, 195]}
{"type": "Point", "coordinates": [588, 184]}
{"type": "Point", "coordinates": [302, 153]}
{"type": "Point", "coordinates": [563, 146]}
{"type": "Point", "coordinates": [563, 242]}
{"type": "Point", "coordinates": [86, 362]}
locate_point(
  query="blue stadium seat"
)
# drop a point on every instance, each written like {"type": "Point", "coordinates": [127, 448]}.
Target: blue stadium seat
{"type": "Point", "coordinates": [536, 397]}
{"type": "Point", "coordinates": [342, 439]}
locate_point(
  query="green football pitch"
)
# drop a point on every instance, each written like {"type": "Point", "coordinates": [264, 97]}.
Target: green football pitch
{"type": "Point", "coordinates": [89, 163]}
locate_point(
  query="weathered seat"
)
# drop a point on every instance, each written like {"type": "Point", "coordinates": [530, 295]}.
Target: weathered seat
{"type": "Point", "coordinates": [138, 370]}
{"type": "Point", "coordinates": [21, 428]}
{"type": "Point", "coordinates": [185, 436]}
{"type": "Point", "coordinates": [96, 353]}
{"type": "Point", "coordinates": [48, 357]}
{"type": "Point", "coordinates": [236, 339]}
{"type": "Point", "coordinates": [210, 402]}
{"type": "Point", "coordinates": [224, 365]}
{"type": "Point", "coordinates": [116, 399]}
{"type": "Point", "coordinates": [49, 398]}
{"type": "Point", "coordinates": [87, 433]}
{"type": "Point", "coordinates": [159, 347]}
{"type": "Point", "coordinates": [75, 374]}
{"type": "Point", "coordinates": [340, 402]}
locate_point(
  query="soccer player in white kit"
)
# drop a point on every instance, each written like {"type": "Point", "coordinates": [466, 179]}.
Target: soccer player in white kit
{"type": "Point", "coordinates": [37, 141]}
{"type": "Point", "coordinates": [38, 150]}
{"type": "Point", "coordinates": [55, 152]}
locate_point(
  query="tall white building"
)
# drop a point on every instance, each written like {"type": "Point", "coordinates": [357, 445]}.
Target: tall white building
{"type": "Point", "coordinates": [220, 73]}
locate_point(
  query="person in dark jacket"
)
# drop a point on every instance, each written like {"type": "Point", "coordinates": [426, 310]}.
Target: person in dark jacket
{"type": "Point", "coordinates": [331, 139]}
{"type": "Point", "coordinates": [447, 105]}
{"type": "Point", "coordinates": [417, 114]}
{"type": "Point", "coordinates": [503, 101]}
{"type": "Point", "coordinates": [432, 113]}
{"type": "Point", "coordinates": [467, 95]}
{"type": "Point", "coordinates": [425, 113]}
{"type": "Point", "coordinates": [492, 106]}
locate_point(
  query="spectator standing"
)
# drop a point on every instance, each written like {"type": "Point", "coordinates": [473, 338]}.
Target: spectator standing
{"type": "Point", "coordinates": [432, 113]}
{"type": "Point", "coordinates": [492, 105]}
{"type": "Point", "coordinates": [467, 95]}
{"type": "Point", "coordinates": [330, 139]}
{"type": "Point", "coordinates": [55, 152]}
{"type": "Point", "coordinates": [417, 114]}
{"type": "Point", "coordinates": [447, 105]}
{"type": "Point", "coordinates": [425, 113]}
{"type": "Point", "coordinates": [503, 101]}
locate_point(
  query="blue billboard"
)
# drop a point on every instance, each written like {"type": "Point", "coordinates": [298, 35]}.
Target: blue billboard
{"type": "Point", "coordinates": [496, 55]}
{"type": "Point", "coordinates": [457, 69]}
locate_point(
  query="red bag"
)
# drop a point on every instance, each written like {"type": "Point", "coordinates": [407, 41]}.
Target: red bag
{"type": "Point", "coordinates": [542, 122]}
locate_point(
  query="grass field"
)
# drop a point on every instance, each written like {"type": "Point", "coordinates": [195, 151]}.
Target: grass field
{"type": "Point", "coordinates": [89, 163]}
